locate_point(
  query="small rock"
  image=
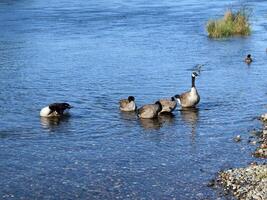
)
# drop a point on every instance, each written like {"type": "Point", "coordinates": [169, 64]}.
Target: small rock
{"type": "Point", "coordinates": [211, 183]}
{"type": "Point", "coordinates": [263, 146]}
{"type": "Point", "coordinates": [254, 163]}
{"type": "Point", "coordinates": [264, 117]}
{"type": "Point", "coordinates": [237, 138]}
{"type": "Point", "coordinates": [253, 142]}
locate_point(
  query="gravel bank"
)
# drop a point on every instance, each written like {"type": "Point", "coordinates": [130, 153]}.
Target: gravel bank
{"type": "Point", "coordinates": [247, 183]}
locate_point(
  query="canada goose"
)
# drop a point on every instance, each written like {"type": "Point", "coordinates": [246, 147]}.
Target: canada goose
{"type": "Point", "coordinates": [54, 110]}
{"type": "Point", "coordinates": [128, 104]}
{"type": "Point", "coordinates": [149, 111]}
{"type": "Point", "coordinates": [168, 105]}
{"type": "Point", "coordinates": [248, 59]}
{"type": "Point", "coordinates": [190, 98]}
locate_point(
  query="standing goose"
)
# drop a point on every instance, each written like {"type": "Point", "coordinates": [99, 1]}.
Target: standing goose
{"type": "Point", "coordinates": [54, 110]}
{"type": "Point", "coordinates": [168, 105]}
{"type": "Point", "coordinates": [248, 59]}
{"type": "Point", "coordinates": [149, 111]}
{"type": "Point", "coordinates": [128, 104]}
{"type": "Point", "coordinates": [190, 98]}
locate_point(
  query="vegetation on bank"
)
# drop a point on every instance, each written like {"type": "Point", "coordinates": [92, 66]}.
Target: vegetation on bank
{"type": "Point", "coordinates": [234, 23]}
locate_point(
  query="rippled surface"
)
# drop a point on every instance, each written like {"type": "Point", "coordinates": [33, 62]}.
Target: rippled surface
{"type": "Point", "coordinates": [93, 53]}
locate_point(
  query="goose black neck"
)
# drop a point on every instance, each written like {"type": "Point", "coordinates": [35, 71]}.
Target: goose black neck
{"type": "Point", "coordinates": [193, 81]}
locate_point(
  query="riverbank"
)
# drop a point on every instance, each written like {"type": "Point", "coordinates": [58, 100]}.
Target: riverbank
{"type": "Point", "coordinates": [249, 182]}
{"type": "Point", "coordinates": [245, 183]}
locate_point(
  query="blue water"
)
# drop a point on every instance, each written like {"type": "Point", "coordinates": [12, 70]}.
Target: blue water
{"type": "Point", "coordinates": [93, 53]}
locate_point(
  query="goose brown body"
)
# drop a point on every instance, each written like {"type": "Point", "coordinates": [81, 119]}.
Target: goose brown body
{"type": "Point", "coordinates": [189, 99]}
{"type": "Point", "coordinates": [149, 111]}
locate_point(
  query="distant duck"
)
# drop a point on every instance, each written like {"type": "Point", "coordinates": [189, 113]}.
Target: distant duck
{"type": "Point", "coordinates": [149, 111]}
{"type": "Point", "coordinates": [54, 110]}
{"type": "Point", "coordinates": [190, 98]}
{"type": "Point", "coordinates": [168, 105]}
{"type": "Point", "coordinates": [128, 104]}
{"type": "Point", "coordinates": [248, 59]}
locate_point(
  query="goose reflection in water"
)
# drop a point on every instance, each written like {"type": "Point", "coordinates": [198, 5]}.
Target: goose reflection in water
{"type": "Point", "coordinates": [166, 118]}
{"type": "Point", "coordinates": [157, 123]}
{"type": "Point", "coordinates": [128, 116]}
{"type": "Point", "coordinates": [52, 122]}
{"type": "Point", "coordinates": [190, 117]}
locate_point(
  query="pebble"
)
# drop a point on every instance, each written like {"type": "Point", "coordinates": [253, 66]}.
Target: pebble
{"type": "Point", "coordinates": [264, 117]}
{"type": "Point", "coordinates": [237, 138]}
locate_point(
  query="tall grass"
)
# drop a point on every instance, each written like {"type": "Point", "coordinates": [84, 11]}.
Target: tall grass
{"type": "Point", "coordinates": [232, 24]}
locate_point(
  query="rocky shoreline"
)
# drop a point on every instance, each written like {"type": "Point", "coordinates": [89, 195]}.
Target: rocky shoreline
{"type": "Point", "coordinates": [248, 183]}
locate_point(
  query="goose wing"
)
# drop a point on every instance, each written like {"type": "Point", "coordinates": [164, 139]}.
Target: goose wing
{"type": "Point", "coordinates": [184, 97]}
{"type": "Point", "coordinates": [142, 109]}
{"type": "Point", "coordinates": [148, 111]}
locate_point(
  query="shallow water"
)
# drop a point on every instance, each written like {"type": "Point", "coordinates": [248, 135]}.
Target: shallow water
{"type": "Point", "coordinates": [91, 54]}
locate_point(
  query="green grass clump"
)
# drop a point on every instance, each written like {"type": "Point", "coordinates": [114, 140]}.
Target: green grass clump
{"type": "Point", "coordinates": [232, 24]}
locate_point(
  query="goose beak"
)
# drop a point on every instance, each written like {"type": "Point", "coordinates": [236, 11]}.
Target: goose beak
{"type": "Point", "coordinates": [195, 73]}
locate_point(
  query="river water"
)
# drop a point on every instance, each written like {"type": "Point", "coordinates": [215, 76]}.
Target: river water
{"type": "Point", "coordinates": [93, 53]}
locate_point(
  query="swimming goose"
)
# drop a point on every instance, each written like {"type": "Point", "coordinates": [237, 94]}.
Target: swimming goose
{"type": "Point", "coordinates": [128, 104]}
{"type": "Point", "coordinates": [149, 111]}
{"type": "Point", "coordinates": [168, 105]}
{"type": "Point", "coordinates": [190, 98]}
{"type": "Point", "coordinates": [54, 110]}
{"type": "Point", "coordinates": [248, 59]}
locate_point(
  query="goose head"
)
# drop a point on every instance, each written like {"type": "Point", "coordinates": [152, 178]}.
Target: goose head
{"type": "Point", "coordinates": [194, 74]}
{"type": "Point", "coordinates": [66, 106]}
{"type": "Point", "coordinates": [131, 98]}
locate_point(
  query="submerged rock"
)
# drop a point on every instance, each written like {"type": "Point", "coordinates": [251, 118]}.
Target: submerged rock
{"type": "Point", "coordinates": [237, 138]}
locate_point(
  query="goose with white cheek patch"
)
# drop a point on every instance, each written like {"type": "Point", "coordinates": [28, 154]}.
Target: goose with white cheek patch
{"type": "Point", "coordinates": [168, 105]}
{"type": "Point", "coordinates": [191, 98]}
{"type": "Point", "coordinates": [128, 105]}
{"type": "Point", "coordinates": [149, 111]}
{"type": "Point", "coordinates": [55, 110]}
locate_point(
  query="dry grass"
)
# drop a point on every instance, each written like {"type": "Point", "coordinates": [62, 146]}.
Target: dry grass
{"type": "Point", "coordinates": [232, 24]}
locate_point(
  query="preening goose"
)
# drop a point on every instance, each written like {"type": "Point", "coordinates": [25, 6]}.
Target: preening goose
{"type": "Point", "coordinates": [190, 98]}
{"type": "Point", "coordinates": [128, 104]}
{"type": "Point", "coordinates": [54, 110]}
{"type": "Point", "coordinates": [149, 111]}
{"type": "Point", "coordinates": [168, 105]}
